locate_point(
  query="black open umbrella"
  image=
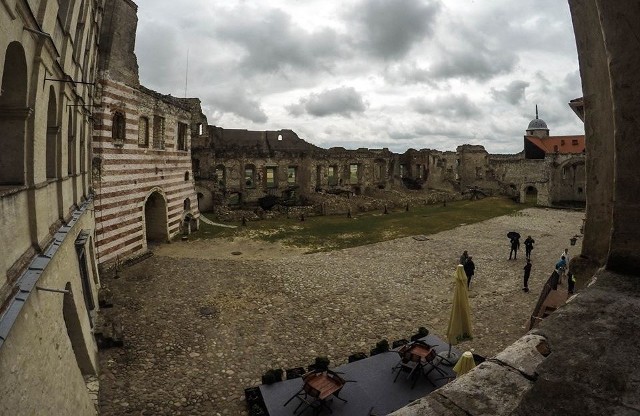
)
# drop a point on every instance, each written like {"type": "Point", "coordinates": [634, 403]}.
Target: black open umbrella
{"type": "Point", "coordinates": [512, 234]}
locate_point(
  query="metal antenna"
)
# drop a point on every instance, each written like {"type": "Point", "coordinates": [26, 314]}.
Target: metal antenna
{"type": "Point", "coordinates": [186, 75]}
{"type": "Point", "coordinates": [536, 111]}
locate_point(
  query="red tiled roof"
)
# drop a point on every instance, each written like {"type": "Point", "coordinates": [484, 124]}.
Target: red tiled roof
{"type": "Point", "coordinates": [559, 144]}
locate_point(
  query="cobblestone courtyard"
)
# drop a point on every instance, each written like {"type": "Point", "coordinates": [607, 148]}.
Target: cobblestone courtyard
{"type": "Point", "coordinates": [202, 324]}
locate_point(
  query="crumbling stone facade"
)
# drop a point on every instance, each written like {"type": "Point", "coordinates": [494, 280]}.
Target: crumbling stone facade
{"type": "Point", "coordinates": [141, 150]}
{"type": "Point", "coordinates": [235, 167]}
{"type": "Point", "coordinates": [49, 283]}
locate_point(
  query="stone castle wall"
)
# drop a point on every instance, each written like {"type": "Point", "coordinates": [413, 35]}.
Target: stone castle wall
{"type": "Point", "coordinates": [224, 161]}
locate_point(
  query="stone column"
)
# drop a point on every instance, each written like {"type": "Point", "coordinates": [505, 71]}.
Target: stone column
{"type": "Point", "coordinates": [620, 21]}
{"type": "Point", "coordinates": [598, 106]}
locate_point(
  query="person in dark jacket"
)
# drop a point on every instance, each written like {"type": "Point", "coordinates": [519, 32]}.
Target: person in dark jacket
{"type": "Point", "coordinates": [464, 257]}
{"type": "Point", "coordinates": [528, 246]}
{"type": "Point", "coordinates": [527, 274]}
{"type": "Point", "coordinates": [515, 245]}
{"type": "Point", "coordinates": [469, 270]}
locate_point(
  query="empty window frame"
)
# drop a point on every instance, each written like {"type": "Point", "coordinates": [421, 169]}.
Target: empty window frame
{"type": "Point", "coordinates": [249, 176]}
{"type": "Point", "coordinates": [143, 132]}
{"type": "Point", "coordinates": [292, 172]}
{"type": "Point", "coordinates": [220, 176]}
{"type": "Point", "coordinates": [182, 136]}
{"type": "Point", "coordinates": [158, 132]}
{"type": "Point", "coordinates": [403, 170]}
{"type": "Point", "coordinates": [332, 178]}
{"type": "Point", "coordinates": [118, 129]}
{"type": "Point", "coordinates": [270, 176]}
{"type": "Point", "coordinates": [353, 173]}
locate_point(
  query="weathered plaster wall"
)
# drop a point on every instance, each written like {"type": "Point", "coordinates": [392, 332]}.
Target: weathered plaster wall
{"type": "Point", "coordinates": [40, 368]}
{"type": "Point", "coordinates": [43, 160]}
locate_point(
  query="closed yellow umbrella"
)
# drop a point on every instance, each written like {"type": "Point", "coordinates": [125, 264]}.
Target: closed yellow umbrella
{"type": "Point", "coordinates": [465, 364]}
{"type": "Point", "coordinates": [460, 320]}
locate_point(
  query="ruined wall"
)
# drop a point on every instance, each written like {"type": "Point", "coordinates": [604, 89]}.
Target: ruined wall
{"type": "Point", "coordinates": [225, 157]}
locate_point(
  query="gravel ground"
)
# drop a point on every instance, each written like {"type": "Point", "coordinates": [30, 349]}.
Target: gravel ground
{"type": "Point", "coordinates": [201, 324]}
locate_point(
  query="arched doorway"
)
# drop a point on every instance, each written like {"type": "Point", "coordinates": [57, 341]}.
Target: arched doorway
{"type": "Point", "coordinates": [13, 106]}
{"type": "Point", "coordinates": [530, 195]}
{"type": "Point", "coordinates": [155, 218]}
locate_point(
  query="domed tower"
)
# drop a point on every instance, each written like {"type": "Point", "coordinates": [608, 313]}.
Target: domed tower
{"type": "Point", "coordinates": [538, 127]}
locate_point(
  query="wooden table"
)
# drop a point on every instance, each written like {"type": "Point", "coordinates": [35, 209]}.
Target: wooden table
{"type": "Point", "coordinates": [325, 383]}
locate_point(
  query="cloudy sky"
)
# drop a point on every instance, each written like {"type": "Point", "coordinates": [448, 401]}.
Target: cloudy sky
{"type": "Point", "coordinates": [368, 73]}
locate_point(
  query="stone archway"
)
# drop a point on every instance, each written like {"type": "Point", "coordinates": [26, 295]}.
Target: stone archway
{"type": "Point", "coordinates": [529, 195]}
{"type": "Point", "coordinates": [155, 218]}
{"type": "Point", "coordinates": [14, 111]}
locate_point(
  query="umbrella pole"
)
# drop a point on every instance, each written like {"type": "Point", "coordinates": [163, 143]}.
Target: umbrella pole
{"type": "Point", "coordinates": [449, 358]}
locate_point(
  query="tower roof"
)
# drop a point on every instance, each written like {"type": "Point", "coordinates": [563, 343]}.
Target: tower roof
{"type": "Point", "coordinates": [537, 123]}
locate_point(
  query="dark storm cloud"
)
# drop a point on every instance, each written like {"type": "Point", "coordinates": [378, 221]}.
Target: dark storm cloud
{"type": "Point", "coordinates": [455, 106]}
{"type": "Point", "coordinates": [342, 101]}
{"type": "Point", "coordinates": [389, 28]}
{"type": "Point", "coordinates": [270, 42]}
{"type": "Point", "coordinates": [236, 101]}
{"type": "Point", "coordinates": [512, 93]}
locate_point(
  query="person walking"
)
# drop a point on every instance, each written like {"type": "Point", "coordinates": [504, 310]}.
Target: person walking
{"type": "Point", "coordinates": [515, 245]}
{"type": "Point", "coordinates": [565, 253]}
{"type": "Point", "coordinates": [464, 257]}
{"type": "Point", "coordinates": [469, 270]}
{"type": "Point", "coordinates": [527, 274]}
{"type": "Point", "coordinates": [528, 246]}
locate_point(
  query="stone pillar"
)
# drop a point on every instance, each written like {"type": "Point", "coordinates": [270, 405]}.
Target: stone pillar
{"type": "Point", "coordinates": [620, 22]}
{"type": "Point", "coordinates": [598, 107]}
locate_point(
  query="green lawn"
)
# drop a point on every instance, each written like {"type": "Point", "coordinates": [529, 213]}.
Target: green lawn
{"type": "Point", "coordinates": [325, 233]}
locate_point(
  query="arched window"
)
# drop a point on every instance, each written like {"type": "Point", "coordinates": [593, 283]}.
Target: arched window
{"type": "Point", "coordinates": [187, 204]}
{"type": "Point", "coordinates": [13, 107]}
{"type": "Point", "coordinates": [53, 132]}
{"type": "Point", "coordinates": [118, 129]}
{"type": "Point", "coordinates": [71, 146]}
{"type": "Point", "coordinates": [186, 176]}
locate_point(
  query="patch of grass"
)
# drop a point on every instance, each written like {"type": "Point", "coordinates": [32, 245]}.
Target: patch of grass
{"type": "Point", "coordinates": [326, 233]}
